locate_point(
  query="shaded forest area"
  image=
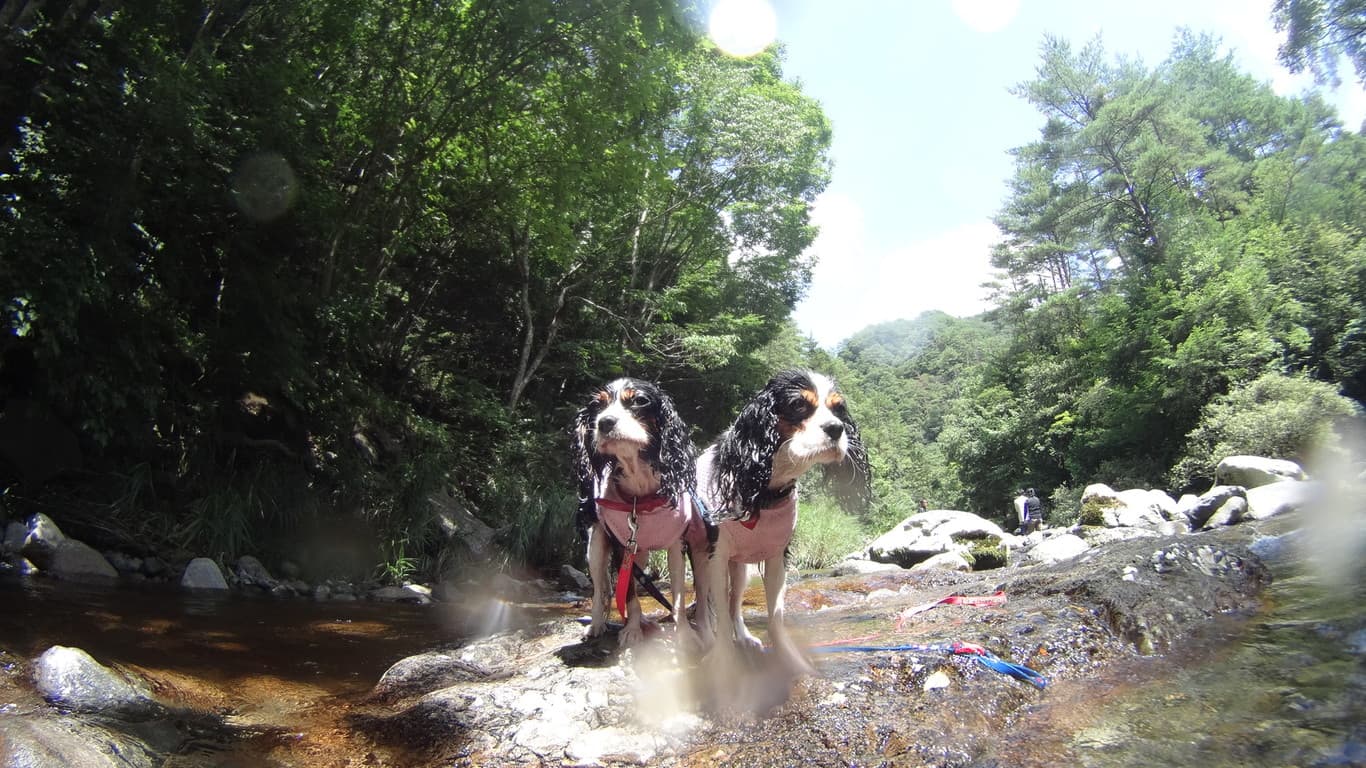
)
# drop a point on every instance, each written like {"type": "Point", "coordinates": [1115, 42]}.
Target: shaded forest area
{"type": "Point", "coordinates": [296, 263]}
{"type": "Point", "coordinates": [271, 268]}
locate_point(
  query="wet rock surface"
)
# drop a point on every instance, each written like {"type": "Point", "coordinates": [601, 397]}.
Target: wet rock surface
{"type": "Point", "coordinates": [539, 694]}
{"type": "Point", "coordinates": [542, 696]}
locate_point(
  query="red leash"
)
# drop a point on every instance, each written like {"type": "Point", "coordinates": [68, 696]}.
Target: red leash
{"type": "Point", "coordinates": [624, 582]}
{"type": "Point", "coordinates": [638, 505]}
{"type": "Point", "coordinates": [977, 601]}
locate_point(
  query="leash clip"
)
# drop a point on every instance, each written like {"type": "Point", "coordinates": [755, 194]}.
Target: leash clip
{"type": "Point", "coordinates": [631, 521]}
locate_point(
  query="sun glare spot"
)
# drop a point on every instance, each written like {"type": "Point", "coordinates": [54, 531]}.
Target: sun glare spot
{"type": "Point", "coordinates": [742, 27]}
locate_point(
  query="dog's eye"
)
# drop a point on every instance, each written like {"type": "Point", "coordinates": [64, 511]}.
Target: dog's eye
{"type": "Point", "coordinates": [641, 401]}
{"type": "Point", "coordinates": [796, 409]}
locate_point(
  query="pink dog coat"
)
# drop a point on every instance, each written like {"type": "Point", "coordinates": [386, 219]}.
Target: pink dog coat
{"type": "Point", "coordinates": [762, 536]}
{"type": "Point", "coordinates": [659, 524]}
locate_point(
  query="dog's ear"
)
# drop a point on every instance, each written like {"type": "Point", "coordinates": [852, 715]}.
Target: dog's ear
{"type": "Point", "coordinates": [851, 480]}
{"type": "Point", "coordinates": [744, 457]}
{"type": "Point", "coordinates": [581, 452]}
{"type": "Point", "coordinates": [677, 465]}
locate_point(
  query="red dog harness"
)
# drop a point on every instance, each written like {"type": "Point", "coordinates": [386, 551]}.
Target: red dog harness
{"type": "Point", "coordinates": [645, 522]}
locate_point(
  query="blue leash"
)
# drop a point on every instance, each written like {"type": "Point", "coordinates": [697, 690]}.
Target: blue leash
{"type": "Point", "coordinates": [986, 658]}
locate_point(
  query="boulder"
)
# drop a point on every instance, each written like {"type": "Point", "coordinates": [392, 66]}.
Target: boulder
{"type": "Point", "coordinates": [927, 534]}
{"type": "Point", "coordinates": [1229, 513]}
{"type": "Point", "coordinates": [467, 534]}
{"type": "Point", "coordinates": [907, 547]}
{"type": "Point", "coordinates": [854, 566]}
{"type": "Point", "coordinates": [1097, 536]}
{"type": "Point", "coordinates": [426, 672]}
{"type": "Point", "coordinates": [38, 740]}
{"type": "Point", "coordinates": [1145, 508]}
{"type": "Point", "coordinates": [41, 539]}
{"type": "Point", "coordinates": [408, 593]}
{"type": "Point", "coordinates": [1199, 509]}
{"type": "Point", "coordinates": [1133, 508]}
{"type": "Point", "coordinates": [562, 705]}
{"type": "Point", "coordinates": [69, 678]}
{"type": "Point", "coordinates": [77, 561]}
{"type": "Point", "coordinates": [203, 573]}
{"type": "Point", "coordinates": [1277, 498]}
{"type": "Point", "coordinates": [60, 557]}
{"type": "Point", "coordinates": [1057, 549]}
{"type": "Point", "coordinates": [949, 561]}
{"type": "Point", "coordinates": [250, 572]}
{"type": "Point", "coordinates": [1254, 471]}
{"type": "Point", "coordinates": [1185, 504]}
{"type": "Point", "coordinates": [1174, 527]}
{"type": "Point", "coordinates": [573, 578]}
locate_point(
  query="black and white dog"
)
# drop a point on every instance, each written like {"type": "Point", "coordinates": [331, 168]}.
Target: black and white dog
{"type": "Point", "coordinates": [749, 480]}
{"type": "Point", "coordinates": [636, 475]}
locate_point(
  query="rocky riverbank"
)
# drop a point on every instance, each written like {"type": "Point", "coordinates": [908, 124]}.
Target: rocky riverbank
{"type": "Point", "coordinates": [1146, 586]}
{"type": "Point", "coordinates": [539, 696]}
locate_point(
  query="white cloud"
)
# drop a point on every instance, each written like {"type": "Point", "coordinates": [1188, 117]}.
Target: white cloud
{"type": "Point", "coordinates": [857, 284]}
{"type": "Point", "coordinates": [1256, 45]}
{"type": "Point", "coordinates": [986, 16]}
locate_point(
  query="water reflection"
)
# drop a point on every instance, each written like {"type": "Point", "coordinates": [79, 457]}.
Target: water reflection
{"type": "Point", "coordinates": [220, 640]}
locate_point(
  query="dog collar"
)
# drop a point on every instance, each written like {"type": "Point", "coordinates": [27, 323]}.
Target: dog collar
{"type": "Point", "coordinates": [767, 498]}
{"type": "Point", "coordinates": [639, 504]}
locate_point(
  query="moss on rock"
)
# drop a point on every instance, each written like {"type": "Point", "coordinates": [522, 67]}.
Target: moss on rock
{"type": "Point", "coordinates": [1093, 510]}
{"type": "Point", "coordinates": [985, 553]}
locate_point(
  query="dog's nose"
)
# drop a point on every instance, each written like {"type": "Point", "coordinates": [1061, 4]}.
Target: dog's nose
{"type": "Point", "coordinates": [606, 423]}
{"type": "Point", "coordinates": [834, 429]}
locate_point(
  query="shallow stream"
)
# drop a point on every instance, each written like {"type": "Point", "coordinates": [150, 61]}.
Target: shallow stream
{"type": "Point", "coordinates": [1286, 687]}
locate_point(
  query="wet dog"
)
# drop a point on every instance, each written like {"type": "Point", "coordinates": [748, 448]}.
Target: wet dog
{"type": "Point", "coordinates": [636, 475]}
{"type": "Point", "coordinates": [749, 480]}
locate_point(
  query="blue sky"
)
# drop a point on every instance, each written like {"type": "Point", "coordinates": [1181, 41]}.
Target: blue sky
{"type": "Point", "coordinates": [918, 93]}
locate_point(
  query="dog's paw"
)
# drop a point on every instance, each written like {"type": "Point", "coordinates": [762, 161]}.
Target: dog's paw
{"type": "Point", "coordinates": [631, 634]}
{"type": "Point", "coordinates": [746, 640]}
{"type": "Point", "coordinates": [687, 641]}
{"type": "Point", "coordinates": [595, 630]}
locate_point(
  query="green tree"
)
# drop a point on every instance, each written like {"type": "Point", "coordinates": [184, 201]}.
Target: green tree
{"type": "Point", "coordinates": [1317, 32]}
{"type": "Point", "coordinates": [410, 231]}
{"type": "Point", "coordinates": [1277, 416]}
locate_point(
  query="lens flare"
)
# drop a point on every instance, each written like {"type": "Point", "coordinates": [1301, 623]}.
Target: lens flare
{"type": "Point", "coordinates": [264, 186]}
{"type": "Point", "coordinates": [743, 27]}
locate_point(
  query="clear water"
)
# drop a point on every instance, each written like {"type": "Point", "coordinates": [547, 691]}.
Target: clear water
{"type": "Point", "coordinates": [1285, 688]}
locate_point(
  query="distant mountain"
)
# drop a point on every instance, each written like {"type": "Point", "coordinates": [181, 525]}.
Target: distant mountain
{"type": "Point", "coordinates": [895, 342]}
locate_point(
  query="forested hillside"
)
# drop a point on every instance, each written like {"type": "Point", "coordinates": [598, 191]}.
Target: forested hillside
{"type": "Point", "coordinates": [277, 265]}
{"type": "Point", "coordinates": [1183, 274]}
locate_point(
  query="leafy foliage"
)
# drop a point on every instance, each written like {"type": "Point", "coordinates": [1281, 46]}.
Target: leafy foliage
{"type": "Point", "coordinates": [375, 249]}
{"type": "Point", "coordinates": [1176, 239]}
{"type": "Point", "coordinates": [1318, 32]}
{"type": "Point", "coordinates": [825, 534]}
{"type": "Point", "coordinates": [1278, 416]}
